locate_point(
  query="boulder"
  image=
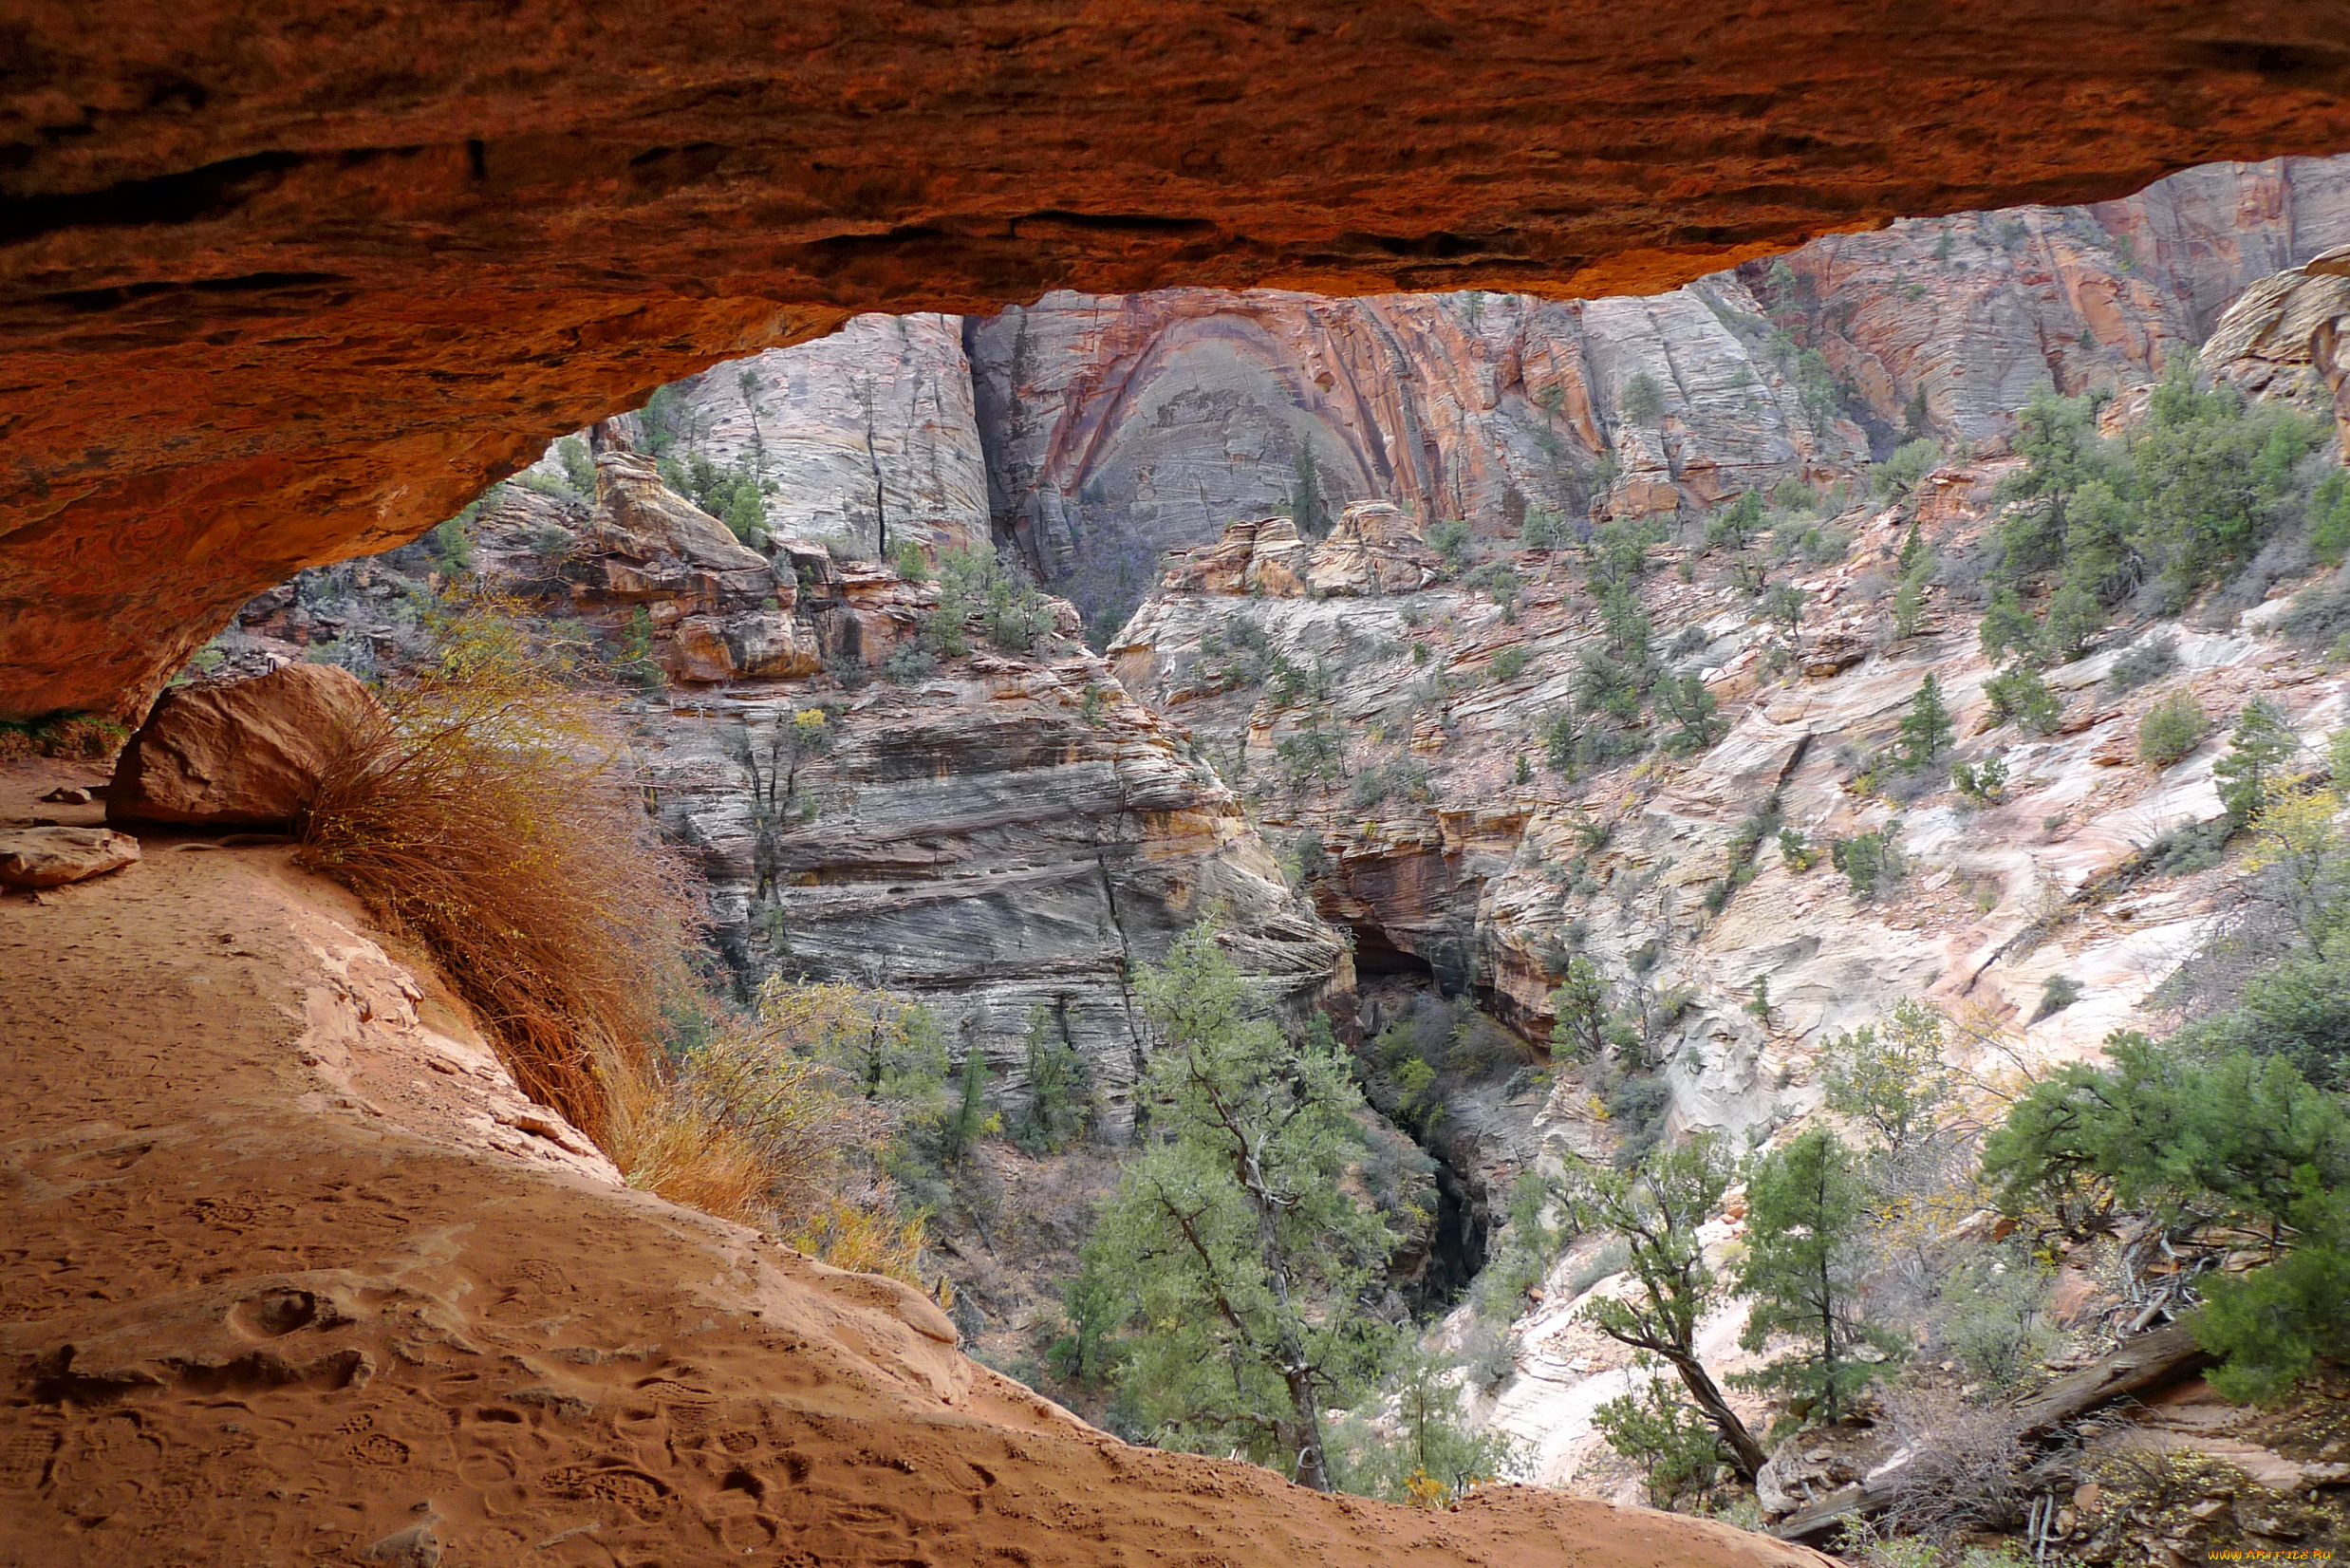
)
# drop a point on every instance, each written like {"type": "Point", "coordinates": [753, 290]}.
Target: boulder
{"type": "Point", "coordinates": [250, 753]}
{"type": "Point", "coordinates": [50, 857]}
{"type": "Point", "coordinates": [767, 643]}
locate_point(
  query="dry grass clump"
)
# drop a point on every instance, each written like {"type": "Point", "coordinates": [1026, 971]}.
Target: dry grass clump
{"type": "Point", "coordinates": [489, 814]}
{"type": "Point", "coordinates": [484, 815]}
{"type": "Point", "coordinates": [776, 1121]}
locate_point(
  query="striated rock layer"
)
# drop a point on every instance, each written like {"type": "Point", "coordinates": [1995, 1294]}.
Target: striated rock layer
{"type": "Point", "coordinates": [299, 1276]}
{"type": "Point", "coordinates": [277, 290]}
{"type": "Point", "coordinates": [1003, 832]}
{"type": "Point", "coordinates": [1451, 859]}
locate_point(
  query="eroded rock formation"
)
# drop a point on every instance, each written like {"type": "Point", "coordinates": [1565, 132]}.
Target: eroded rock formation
{"type": "Point", "coordinates": [1000, 833]}
{"type": "Point", "coordinates": [282, 292]}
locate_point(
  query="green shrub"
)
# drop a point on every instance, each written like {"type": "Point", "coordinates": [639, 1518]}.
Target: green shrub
{"type": "Point", "coordinates": [2172, 729]}
{"type": "Point", "coordinates": [1677, 1448]}
{"type": "Point", "coordinates": [2019, 696]}
{"type": "Point", "coordinates": [2060, 993]}
{"type": "Point", "coordinates": [1545, 529]}
{"type": "Point", "coordinates": [1871, 861]}
{"type": "Point", "coordinates": [1911, 461]}
{"type": "Point", "coordinates": [1451, 539]}
{"type": "Point", "coordinates": [1511, 662]}
{"type": "Point", "coordinates": [1644, 399]}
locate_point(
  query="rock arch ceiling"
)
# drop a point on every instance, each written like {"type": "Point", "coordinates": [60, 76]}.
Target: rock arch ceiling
{"type": "Point", "coordinates": [281, 283]}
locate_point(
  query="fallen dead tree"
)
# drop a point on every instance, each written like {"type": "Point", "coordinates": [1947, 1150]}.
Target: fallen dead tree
{"type": "Point", "coordinates": [2146, 1361]}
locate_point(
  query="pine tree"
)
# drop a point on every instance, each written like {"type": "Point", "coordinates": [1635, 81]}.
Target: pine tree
{"type": "Point", "coordinates": [1243, 1259]}
{"type": "Point", "coordinates": [2258, 747]}
{"type": "Point", "coordinates": [970, 1120]}
{"type": "Point", "coordinates": [1926, 729]}
{"type": "Point", "coordinates": [1806, 1252]}
{"type": "Point", "coordinates": [1308, 509]}
{"type": "Point", "coordinates": [2007, 626]}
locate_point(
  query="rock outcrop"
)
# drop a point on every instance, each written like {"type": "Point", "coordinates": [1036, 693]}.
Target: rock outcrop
{"type": "Point", "coordinates": [53, 856]}
{"type": "Point", "coordinates": [1373, 549]}
{"type": "Point", "coordinates": [280, 293]}
{"type": "Point", "coordinates": [1143, 422]}
{"type": "Point", "coordinates": [251, 753]}
{"type": "Point", "coordinates": [1947, 325]}
{"type": "Point", "coordinates": [2287, 338]}
{"type": "Point", "coordinates": [994, 832]}
{"type": "Point", "coordinates": [301, 1239]}
{"type": "Point", "coordinates": [1450, 858]}
{"type": "Point", "coordinates": [864, 437]}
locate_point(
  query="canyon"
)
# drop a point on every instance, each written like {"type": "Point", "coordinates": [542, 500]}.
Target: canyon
{"type": "Point", "coordinates": [1017, 828]}
{"type": "Point", "coordinates": [307, 1275]}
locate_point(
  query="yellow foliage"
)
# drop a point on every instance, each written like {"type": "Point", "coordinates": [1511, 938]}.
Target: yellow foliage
{"type": "Point", "coordinates": [2296, 830]}
{"type": "Point", "coordinates": [852, 1237]}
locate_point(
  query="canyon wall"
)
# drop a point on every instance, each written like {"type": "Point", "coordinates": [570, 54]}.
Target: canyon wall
{"type": "Point", "coordinates": [1121, 427]}
{"type": "Point", "coordinates": [1002, 833]}
{"type": "Point", "coordinates": [1972, 312]}
{"type": "Point", "coordinates": [866, 433]}
{"type": "Point", "coordinates": [1113, 429]}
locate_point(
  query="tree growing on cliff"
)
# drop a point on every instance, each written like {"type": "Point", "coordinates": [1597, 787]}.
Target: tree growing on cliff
{"type": "Point", "coordinates": [1244, 1265]}
{"type": "Point", "coordinates": [2259, 746]}
{"type": "Point", "coordinates": [1808, 1246]}
{"type": "Point", "coordinates": [1056, 1085]}
{"type": "Point", "coordinates": [1307, 506]}
{"type": "Point", "coordinates": [1926, 729]}
{"type": "Point", "coordinates": [1587, 1021]}
{"type": "Point", "coordinates": [1655, 1211]}
{"type": "Point", "coordinates": [1644, 399]}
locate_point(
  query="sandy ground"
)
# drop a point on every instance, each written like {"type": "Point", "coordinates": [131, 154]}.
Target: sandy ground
{"type": "Point", "coordinates": [291, 1274]}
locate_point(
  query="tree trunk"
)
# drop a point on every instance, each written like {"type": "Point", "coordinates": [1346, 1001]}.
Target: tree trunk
{"type": "Point", "coordinates": [1312, 1464]}
{"type": "Point", "coordinates": [1746, 1454]}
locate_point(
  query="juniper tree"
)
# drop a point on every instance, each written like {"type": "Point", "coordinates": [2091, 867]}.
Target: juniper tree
{"type": "Point", "coordinates": [1656, 1211]}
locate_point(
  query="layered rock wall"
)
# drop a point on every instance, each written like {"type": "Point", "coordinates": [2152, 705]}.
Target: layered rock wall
{"type": "Point", "coordinates": [1971, 313]}
{"type": "Point", "coordinates": [1002, 833]}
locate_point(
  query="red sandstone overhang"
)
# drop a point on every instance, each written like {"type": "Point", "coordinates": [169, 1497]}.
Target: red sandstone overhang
{"type": "Point", "coordinates": [282, 283]}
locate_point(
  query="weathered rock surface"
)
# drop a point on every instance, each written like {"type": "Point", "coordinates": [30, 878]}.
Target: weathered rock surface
{"type": "Point", "coordinates": [50, 857]}
{"type": "Point", "coordinates": [285, 291]}
{"type": "Point", "coordinates": [1143, 422]}
{"type": "Point", "coordinates": [1373, 549]}
{"type": "Point", "coordinates": [1445, 859]}
{"type": "Point", "coordinates": [251, 753]}
{"type": "Point", "coordinates": [1005, 832]}
{"type": "Point", "coordinates": [288, 1242]}
{"type": "Point", "coordinates": [2286, 338]}
{"type": "Point", "coordinates": [866, 437]}
{"type": "Point", "coordinates": [1971, 313]}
